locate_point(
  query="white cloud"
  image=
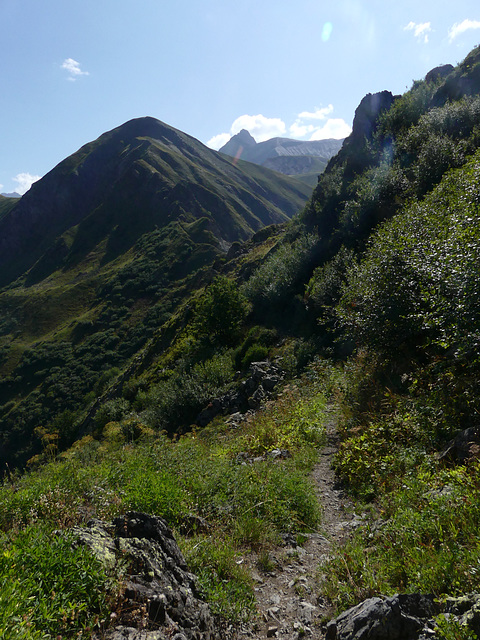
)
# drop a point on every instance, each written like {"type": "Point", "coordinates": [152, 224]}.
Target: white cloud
{"type": "Point", "coordinates": [218, 141]}
{"type": "Point", "coordinates": [420, 31]}
{"type": "Point", "coordinates": [299, 130]}
{"type": "Point", "coordinates": [318, 114]}
{"type": "Point", "coordinates": [73, 68]}
{"type": "Point", "coordinates": [305, 125]}
{"type": "Point", "coordinates": [260, 127]}
{"type": "Point", "coordinates": [24, 182]}
{"type": "Point", "coordinates": [334, 128]}
{"type": "Point", "coordinates": [460, 27]}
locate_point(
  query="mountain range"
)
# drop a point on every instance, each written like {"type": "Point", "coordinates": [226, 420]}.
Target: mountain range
{"type": "Point", "coordinates": [115, 236]}
{"type": "Point", "coordinates": [304, 159]}
{"type": "Point", "coordinates": [182, 333]}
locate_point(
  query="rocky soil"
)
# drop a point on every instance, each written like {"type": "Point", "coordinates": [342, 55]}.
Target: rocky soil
{"type": "Point", "coordinates": [288, 600]}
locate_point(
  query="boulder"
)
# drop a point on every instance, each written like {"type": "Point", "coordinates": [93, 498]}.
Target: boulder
{"type": "Point", "coordinates": [156, 580]}
{"type": "Point", "coordinates": [465, 445]}
{"type": "Point", "coordinates": [439, 73]}
{"type": "Point", "coordinates": [400, 617]}
{"type": "Point", "coordinates": [403, 617]}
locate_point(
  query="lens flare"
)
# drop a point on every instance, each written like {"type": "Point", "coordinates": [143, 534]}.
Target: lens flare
{"type": "Point", "coordinates": [327, 31]}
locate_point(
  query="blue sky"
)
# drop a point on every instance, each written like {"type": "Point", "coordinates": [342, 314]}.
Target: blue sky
{"type": "Point", "coordinates": [73, 69]}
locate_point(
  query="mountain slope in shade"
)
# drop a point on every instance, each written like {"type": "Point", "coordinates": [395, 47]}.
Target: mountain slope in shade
{"type": "Point", "coordinates": [139, 176]}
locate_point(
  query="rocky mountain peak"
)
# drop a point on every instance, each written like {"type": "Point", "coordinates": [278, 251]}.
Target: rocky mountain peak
{"type": "Point", "coordinates": [238, 143]}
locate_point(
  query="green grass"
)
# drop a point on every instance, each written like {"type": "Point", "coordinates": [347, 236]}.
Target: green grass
{"type": "Point", "coordinates": [48, 589]}
{"type": "Point", "coordinates": [422, 537]}
{"type": "Point", "coordinates": [130, 467]}
{"type": "Point", "coordinates": [421, 514]}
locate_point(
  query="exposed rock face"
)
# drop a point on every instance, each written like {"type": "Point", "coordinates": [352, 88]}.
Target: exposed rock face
{"type": "Point", "coordinates": [403, 617]}
{"type": "Point", "coordinates": [464, 446]}
{"type": "Point", "coordinates": [263, 378]}
{"type": "Point", "coordinates": [367, 113]}
{"type": "Point", "coordinates": [439, 72]}
{"type": "Point", "coordinates": [238, 143]}
{"type": "Point", "coordinates": [157, 579]}
{"type": "Point", "coordinates": [355, 154]}
{"type": "Point", "coordinates": [285, 155]}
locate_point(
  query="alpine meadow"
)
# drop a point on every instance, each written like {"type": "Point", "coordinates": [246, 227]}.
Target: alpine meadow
{"type": "Point", "coordinates": [234, 407]}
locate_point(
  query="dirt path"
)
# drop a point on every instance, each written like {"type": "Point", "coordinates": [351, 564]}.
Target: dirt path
{"type": "Point", "coordinates": [287, 595]}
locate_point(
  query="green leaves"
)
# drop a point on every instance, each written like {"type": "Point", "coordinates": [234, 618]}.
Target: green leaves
{"type": "Point", "coordinates": [220, 312]}
{"type": "Point", "coordinates": [418, 283]}
{"type": "Point", "coordinates": [48, 588]}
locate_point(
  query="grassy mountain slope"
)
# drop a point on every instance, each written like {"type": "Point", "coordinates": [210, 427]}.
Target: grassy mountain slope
{"type": "Point", "coordinates": [139, 176]}
{"type": "Point", "coordinates": [379, 273]}
{"type": "Point", "coordinates": [6, 204]}
{"type": "Point", "coordinates": [106, 247]}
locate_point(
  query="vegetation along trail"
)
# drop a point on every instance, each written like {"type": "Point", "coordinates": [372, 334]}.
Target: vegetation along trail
{"type": "Point", "coordinates": [200, 366]}
{"type": "Point", "coordinates": [289, 602]}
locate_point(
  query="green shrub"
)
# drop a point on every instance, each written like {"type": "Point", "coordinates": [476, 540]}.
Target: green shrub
{"type": "Point", "coordinates": [254, 353]}
{"type": "Point", "coordinates": [220, 312]}
{"type": "Point", "coordinates": [112, 411]}
{"type": "Point", "coordinates": [258, 336]}
{"type": "Point", "coordinates": [177, 400]}
{"type": "Point", "coordinates": [418, 284]}
{"type": "Point", "coordinates": [275, 280]}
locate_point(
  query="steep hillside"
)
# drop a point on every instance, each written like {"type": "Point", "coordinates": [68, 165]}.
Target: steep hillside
{"type": "Point", "coordinates": [103, 250]}
{"type": "Point", "coordinates": [6, 204]}
{"type": "Point", "coordinates": [140, 176]}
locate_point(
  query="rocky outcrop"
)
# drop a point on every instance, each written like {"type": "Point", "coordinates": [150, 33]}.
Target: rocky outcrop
{"type": "Point", "coordinates": [367, 113]}
{"type": "Point", "coordinates": [403, 617]}
{"type": "Point", "coordinates": [161, 599]}
{"type": "Point", "coordinates": [439, 73]}
{"type": "Point", "coordinates": [239, 143]}
{"type": "Point", "coordinates": [464, 446]}
{"type": "Point", "coordinates": [355, 155]}
{"type": "Point", "coordinates": [262, 379]}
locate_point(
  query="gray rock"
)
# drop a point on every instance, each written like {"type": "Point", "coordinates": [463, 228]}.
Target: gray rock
{"type": "Point", "coordinates": [467, 610]}
{"type": "Point", "coordinates": [400, 617]}
{"type": "Point", "coordinates": [466, 444]}
{"type": "Point", "coordinates": [279, 454]}
{"type": "Point", "coordinates": [403, 617]}
{"type": "Point", "coordinates": [262, 379]}
{"type": "Point", "coordinates": [157, 579]}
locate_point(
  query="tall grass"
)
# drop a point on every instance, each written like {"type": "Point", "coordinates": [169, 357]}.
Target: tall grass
{"type": "Point", "coordinates": [196, 477]}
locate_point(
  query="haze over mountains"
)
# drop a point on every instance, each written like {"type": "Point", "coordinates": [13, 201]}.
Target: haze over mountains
{"type": "Point", "coordinates": [305, 159]}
